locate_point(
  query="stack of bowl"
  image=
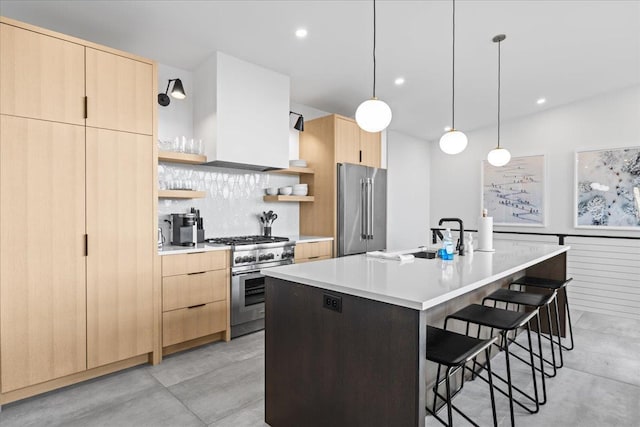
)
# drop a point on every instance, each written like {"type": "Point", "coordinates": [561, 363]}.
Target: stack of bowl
{"type": "Point", "coordinates": [300, 189]}
{"type": "Point", "coordinates": [298, 163]}
{"type": "Point", "coordinates": [285, 191]}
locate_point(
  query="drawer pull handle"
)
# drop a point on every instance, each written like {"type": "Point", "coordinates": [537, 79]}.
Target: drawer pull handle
{"type": "Point", "coordinates": [196, 306]}
{"type": "Point", "coordinates": [199, 272]}
{"type": "Point", "coordinates": [314, 257]}
{"type": "Point", "coordinates": [194, 253]}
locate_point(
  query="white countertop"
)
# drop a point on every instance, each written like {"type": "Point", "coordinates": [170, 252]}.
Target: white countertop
{"type": "Point", "coordinates": [308, 239]}
{"type": "Point", "coordinates": [419, 283]}
{"type": "Point", "coordinates": [200, 247]}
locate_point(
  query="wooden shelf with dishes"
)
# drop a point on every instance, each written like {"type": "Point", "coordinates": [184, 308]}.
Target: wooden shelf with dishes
{"type": "Point", "coordinates": [281, 198]}
{"type": "Point", "coordinates": [186, 158]}
{"type": "Point", "coordinates": [181, 194]}
{"type": "Point", "coordinates": [294, 171]}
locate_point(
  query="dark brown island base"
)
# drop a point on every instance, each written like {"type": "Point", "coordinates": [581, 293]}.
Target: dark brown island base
{"type": "Point", "coordinates": [345, 338]}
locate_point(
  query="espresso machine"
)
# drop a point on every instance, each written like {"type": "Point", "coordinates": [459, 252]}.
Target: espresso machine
{"type": "Point", "coordinates": [187, 229]}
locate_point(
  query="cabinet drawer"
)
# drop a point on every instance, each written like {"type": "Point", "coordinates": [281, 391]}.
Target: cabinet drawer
{"type": "Point", "coordinates": [303, 260]}
{"type": "Point", "coordinates": [195, 262]}
{"type": "Point", "coordinates": [314, 250]}
{"type": "Point", "coordinates": [196, 288]}
{"type": "Point", "coordinates": [189, 323]}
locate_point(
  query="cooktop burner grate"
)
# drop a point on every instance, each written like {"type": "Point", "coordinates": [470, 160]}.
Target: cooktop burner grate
{"type": "Point", "coordinates": [246, 240]}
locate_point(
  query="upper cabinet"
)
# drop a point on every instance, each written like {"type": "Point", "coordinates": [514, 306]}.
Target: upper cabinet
{"type": "Point", "coordinates": [241, 111]}
{"type": "Point", "coordinates": [354, 145]}
{"type": "Point", "coordinates": [119, 93]}
{"type": "Point", "coordinates": [41, 77]}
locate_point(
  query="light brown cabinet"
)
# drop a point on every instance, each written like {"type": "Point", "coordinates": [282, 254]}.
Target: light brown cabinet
{"type": "Point", "coordinates": [119, 92]}
{"type": "Point", "coordinates": [195, 299]}
{"type": "Point", "coordinates": [354, 145]}
{"type": "Point", "coordinates": [313, 251]}
{"type": "Point", "coordinates": [119, 261]}
{"type": "Point", "coordinates": [41, 77]}
{"type": "Point", "coordinates": [42, 262]}
{"type": "Point", "coordinates": [325, 142]}
{"type": "Point", "coordinates": [77, 211]}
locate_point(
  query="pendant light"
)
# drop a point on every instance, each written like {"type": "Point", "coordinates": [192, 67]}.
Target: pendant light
{"type": "Point", "coordinates": [453, 141]}
{"type": "Point", "coordinates": [499, 156]}
{"type": "Point", "coordinates": [373, 115]}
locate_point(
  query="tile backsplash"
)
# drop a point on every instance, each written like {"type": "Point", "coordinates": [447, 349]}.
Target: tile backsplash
{"type": "Point", "coordinates": [233, 201]}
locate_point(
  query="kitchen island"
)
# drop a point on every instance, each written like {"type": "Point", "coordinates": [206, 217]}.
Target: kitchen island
{"type": "Point", "coordinates": [345, 338]}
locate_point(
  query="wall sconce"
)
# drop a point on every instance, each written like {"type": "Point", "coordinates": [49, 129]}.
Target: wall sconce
{"type": "Point", "coordinates": [177, 92]}
{"type": "Point", "coordinates": [299, 123]}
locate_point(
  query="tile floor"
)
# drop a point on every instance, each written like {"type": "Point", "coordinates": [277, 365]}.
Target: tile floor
{"type": "Point", "coordinates": [223, 385]}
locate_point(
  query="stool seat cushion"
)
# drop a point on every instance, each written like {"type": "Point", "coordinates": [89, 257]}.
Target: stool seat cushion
{"type": "Point", "coordinates": [523, 298]}
{"type": "Point", "coordinates": [452, 349]}
{"type": "Point", "coordinates": [542, 283]}
{"type": "Point", "coordinates": [493, 317]}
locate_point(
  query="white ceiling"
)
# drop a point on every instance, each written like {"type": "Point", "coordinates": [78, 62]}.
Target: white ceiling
{"type": "Point", "coordinates": [562, 50]}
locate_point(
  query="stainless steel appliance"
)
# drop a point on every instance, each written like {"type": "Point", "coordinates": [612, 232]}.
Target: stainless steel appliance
{"type": "Point", "coordinates": [249, 255]}
{"type": "Point", "coordinates": [187, 229]}
{"type": "Point", "coordinates": [362, 209]}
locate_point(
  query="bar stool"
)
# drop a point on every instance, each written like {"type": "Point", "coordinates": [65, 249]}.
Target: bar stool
{"type": "Point", "coordinates": [453, 350]}
{"type": "Point", "coordinates": [538, 301]}
{"type": "Point", "coordinates": [556, 285]}
{"type": "Point", "coordinates": [505, 321]}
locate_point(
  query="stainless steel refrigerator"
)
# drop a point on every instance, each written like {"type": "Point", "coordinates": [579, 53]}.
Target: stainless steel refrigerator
{"type": "Point", "coordinates": [362, 209]}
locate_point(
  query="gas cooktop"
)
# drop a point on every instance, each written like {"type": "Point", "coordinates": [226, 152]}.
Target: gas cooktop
{"type": "Point", "coordinates": [246, 240]}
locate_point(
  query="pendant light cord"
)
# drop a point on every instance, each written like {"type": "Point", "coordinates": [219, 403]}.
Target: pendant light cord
{"type": "Point", "coordinates": [453, 72]}
{"type": "Point", "coordinates": [499, 43]}
{"type": "Point", "coordinates": [374, 48]}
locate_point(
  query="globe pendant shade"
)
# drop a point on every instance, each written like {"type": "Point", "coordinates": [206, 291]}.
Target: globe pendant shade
{"type": "Point", "coordinates": [499, 157]}
{"type": "Point", "coordinates": [453, 142]}
{"type": "Point", "coordinates": [373, 115]}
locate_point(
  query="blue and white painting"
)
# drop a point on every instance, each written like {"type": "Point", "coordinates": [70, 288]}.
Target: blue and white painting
{"type": "Point", "coordinates": [608, 188]}
{"type": "Point", "coordinates": [514, 194]}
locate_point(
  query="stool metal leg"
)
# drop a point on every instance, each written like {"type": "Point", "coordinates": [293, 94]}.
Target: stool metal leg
{"type": "Point", "coordinates": [490, 375]}
{"type": "Point", "coordinates": [449, 403]}
{"type": "Point", "coordinates": [509, 386]}
{"type": "Point", "coordinates": [566, 303]}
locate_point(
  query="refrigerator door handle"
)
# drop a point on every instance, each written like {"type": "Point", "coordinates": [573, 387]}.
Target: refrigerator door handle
{"type": "Point", "coordinates": [371, 207]}
{"type": "Point", "coordinates": [363, 213]}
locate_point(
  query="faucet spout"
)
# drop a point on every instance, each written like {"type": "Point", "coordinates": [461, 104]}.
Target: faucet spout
{"type": "Point", "coordinates": [460, 246]}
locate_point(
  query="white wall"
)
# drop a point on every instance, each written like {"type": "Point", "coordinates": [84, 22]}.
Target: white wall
{"type": "Point", "coordinates": [607, 121]}
{"type": "Point", "coordinates": [408, 186]}
{"type": "Point", "coordinates": [176, 119]}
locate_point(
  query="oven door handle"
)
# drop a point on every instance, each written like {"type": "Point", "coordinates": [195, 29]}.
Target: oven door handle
{"type": "Point", "coordinates": [251, 274]}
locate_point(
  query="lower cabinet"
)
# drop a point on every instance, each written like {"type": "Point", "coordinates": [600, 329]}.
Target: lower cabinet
{"type": "Point", "coordinates": [313, 251]}
{"type": "Point", "coordinates": [195, 299]}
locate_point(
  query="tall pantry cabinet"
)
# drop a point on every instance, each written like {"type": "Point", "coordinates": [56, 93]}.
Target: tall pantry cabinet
{"type": "Point", "coordinates": [77, 210]}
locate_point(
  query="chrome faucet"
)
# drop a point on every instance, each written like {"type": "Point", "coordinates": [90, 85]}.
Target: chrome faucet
{"type": "Point", "coordinates": [460, 245]}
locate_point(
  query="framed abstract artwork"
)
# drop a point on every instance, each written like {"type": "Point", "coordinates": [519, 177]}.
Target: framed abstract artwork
{"type": "Point", "coordinates": [607, 188]}
{"type": "Point", "coordinates": [514, 194]}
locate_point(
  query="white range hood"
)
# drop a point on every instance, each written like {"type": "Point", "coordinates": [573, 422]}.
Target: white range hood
{"type": "Point", "coordinates": [241, 112]}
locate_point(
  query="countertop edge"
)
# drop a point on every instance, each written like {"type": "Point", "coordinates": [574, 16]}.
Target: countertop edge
{"type": "Point", "coordinates": [309, 239]}
{"type": "Point", "coordinates": [415, 305]}
{"type": "Point", "coordinates": [177, 250]}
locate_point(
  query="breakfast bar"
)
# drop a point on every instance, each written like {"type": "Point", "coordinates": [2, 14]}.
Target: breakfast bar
{"type": "Point", "coordinates": [345, 338]}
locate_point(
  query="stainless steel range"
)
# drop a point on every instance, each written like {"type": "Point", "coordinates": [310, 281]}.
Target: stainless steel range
{"type": "Point", "coordinates": [249, 255]}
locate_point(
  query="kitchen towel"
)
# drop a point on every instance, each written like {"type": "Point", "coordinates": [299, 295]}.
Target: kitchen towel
{"type": "Point", "coordinates": [391, 255]}
{"type": "Point", "coordinates": [485, 234]}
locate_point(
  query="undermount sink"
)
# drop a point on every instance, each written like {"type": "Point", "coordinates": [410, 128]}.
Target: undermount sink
{"type": "Point", "coordinates": [428, 254]}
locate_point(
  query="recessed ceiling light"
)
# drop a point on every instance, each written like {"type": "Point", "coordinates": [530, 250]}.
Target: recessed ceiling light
{"type": "Point", "coordinates": [301, 33]}
{"type": "Point", "coordinates": [541, 101]}
{"type": "Point", "coordinates": [447, 128]}
{"type": "Point", "coordinates": [399, 81]}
